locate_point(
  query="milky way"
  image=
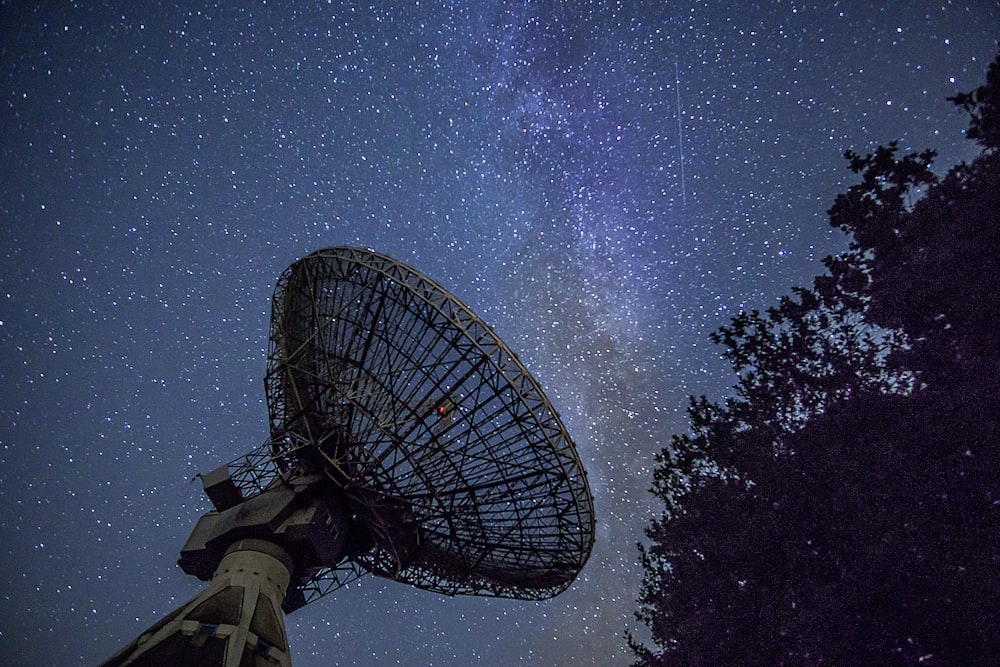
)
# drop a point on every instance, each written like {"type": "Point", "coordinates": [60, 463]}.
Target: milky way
{"type": "Point", "coordinates": [162, 167]}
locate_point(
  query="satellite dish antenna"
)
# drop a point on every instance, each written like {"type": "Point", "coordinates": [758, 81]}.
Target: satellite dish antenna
{"type": "Point", "coordinates": [407, 441]}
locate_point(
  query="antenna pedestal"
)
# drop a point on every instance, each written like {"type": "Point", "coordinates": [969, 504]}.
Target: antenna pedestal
{"type": "Point", "coordinates": [235, 621]}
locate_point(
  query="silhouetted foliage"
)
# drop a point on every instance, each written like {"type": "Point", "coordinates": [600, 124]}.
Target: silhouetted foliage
{"type": "Point", "coordinates": [843, 507]}
{"type": "Point", "coordinates": [983, 105]}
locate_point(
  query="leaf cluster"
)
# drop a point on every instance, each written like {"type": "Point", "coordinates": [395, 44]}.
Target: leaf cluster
{"type": "Point", "coordinates": [842, 506]}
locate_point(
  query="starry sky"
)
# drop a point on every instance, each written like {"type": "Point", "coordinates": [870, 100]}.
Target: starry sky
{"type": "Point", "coordinates": [604, 183]}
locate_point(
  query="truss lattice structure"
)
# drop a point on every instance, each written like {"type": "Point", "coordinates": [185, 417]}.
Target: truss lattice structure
{"type": "Point", "coordinates": [451, 458]}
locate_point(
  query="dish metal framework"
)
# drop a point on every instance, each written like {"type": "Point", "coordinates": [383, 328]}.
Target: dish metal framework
{"type": "Point", "coordinates": [458, 473]}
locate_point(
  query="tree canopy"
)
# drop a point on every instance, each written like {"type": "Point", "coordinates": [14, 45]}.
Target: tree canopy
{"type": "Point", "coordinates": [843, 506]}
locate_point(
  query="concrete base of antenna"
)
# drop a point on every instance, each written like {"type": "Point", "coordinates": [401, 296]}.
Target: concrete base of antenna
{"type": "Point", "coordinates": [236, 621]}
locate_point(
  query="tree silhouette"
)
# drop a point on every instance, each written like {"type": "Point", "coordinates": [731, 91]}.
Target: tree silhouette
{"type": "Point", "coordinates": [843, 506]}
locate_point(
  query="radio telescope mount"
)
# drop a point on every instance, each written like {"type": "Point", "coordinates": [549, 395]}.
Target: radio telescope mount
{"type": "Point", "coordinates": [406, 441]}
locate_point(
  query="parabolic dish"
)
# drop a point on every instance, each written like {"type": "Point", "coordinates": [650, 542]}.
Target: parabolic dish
{"type": "Point", "coordinates": [452, 460]}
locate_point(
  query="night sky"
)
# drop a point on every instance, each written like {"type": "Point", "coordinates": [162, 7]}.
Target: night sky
{"type": "Point", "coordinates": [161, 167]}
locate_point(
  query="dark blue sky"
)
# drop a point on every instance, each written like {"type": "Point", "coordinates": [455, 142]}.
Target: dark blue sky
{"type": "Point", "coordinates": [161, 167]}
